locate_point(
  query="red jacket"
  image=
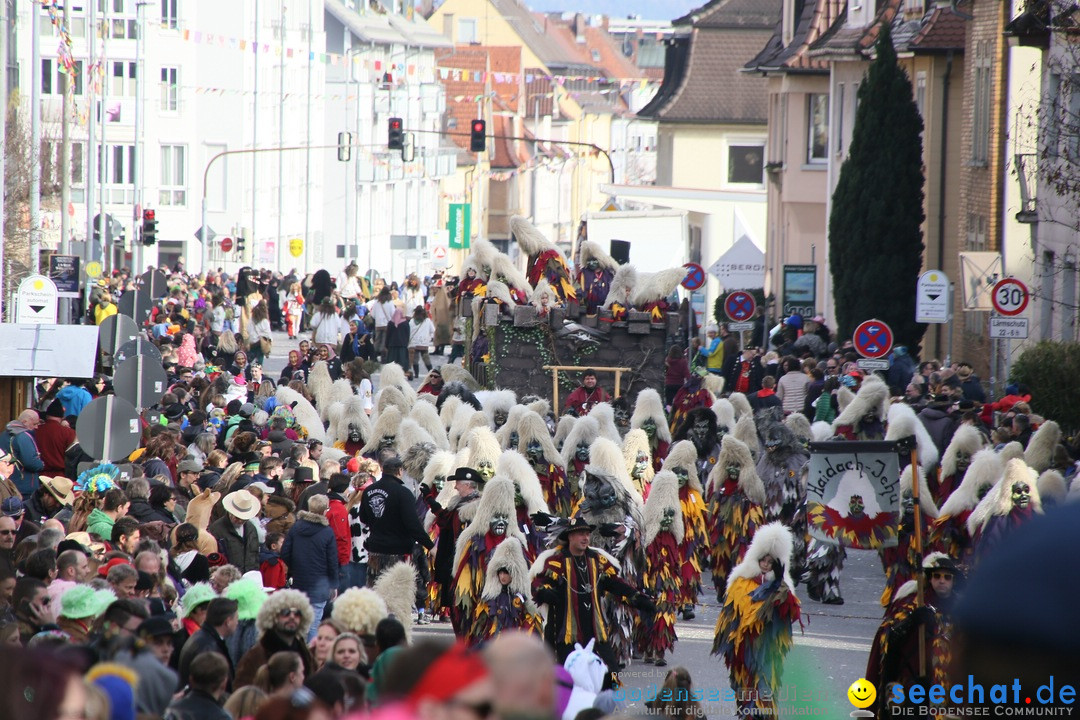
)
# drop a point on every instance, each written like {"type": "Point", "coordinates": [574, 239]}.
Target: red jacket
{"type": "Point", "coordinates": [581, 400]}
{"type": "Point", "coordinates": [338, 515]}
{"type": "Point", "coordinates": [53, 438]}
{"type": "Point", "coordinates": [275, 573]}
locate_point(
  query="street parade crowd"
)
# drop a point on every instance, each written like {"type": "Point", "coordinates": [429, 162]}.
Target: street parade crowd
{"type": "Point", "coordinates": [276, 545]}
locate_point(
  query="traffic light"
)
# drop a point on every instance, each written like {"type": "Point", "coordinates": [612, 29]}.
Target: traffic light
{"type": "Point", "coordinates": [396, 138]}
{"type": "Point", "coordinates": [478, 136]}
{"type": "Point", "coordinates": [240, 246]}
{"type": "Point", "coordinates": [344, 151]}
{"type": "Point", "coordinates": [149, 227]}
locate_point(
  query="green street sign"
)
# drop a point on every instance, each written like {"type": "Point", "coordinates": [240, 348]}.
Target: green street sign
{"type": "Point", "coordinates": [460, 225]}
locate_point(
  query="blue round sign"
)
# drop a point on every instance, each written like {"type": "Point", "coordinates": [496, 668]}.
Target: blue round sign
{"type": "Point", "coordinates": [695, 276]}
{"type": "Point", "coordinates": [873, 339]}
{"type": "Point", "coordinates": [739, 306]}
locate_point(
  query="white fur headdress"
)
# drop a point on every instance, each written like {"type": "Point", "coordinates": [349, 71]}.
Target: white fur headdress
{"type": "Point", "coordinates": [591, 250]}
{"type": "Point", "coordinates": [985, 470]}
{"type": "Point", "coordinates": [393, 374]}
{"type": "Point", "coordinates": [683, 454]}
{"type": "Point", "coordinates": [715, 385]}
{"type": "Point", "coordinates": [497, 498]}
{"type": "Point", "coordinates": [441, 465]}
{"type": "Point", "coordinates": [513, 418]}
{"type": "Point", "coordinates": [397, 588]}
{"type": "Point", "coordinates": [734, 452]}
{"type": "Point", "coordinates": [529, 239]}
{"type": "Point", "coordinates": [663, 495]}
{"type": "Point", "coordinates": [998, 501]}
{"type": "Point", "coordinates": [584, 431]}
{"type": "Point", "coordinates": [467, 421]}
{"type": "Point", "coordinates": [387, 425]}
{"type": "Point", "coordinates": [502, 266]}
{"type": "Point", "coordinates": [482, 255]}
{"type": "Point", "coordinates": [607, 456]}
{"type": "Point", "coordinates": [622, 286]}
{"type": "Point", "coordinates": [873, 397]}
{"type": "Point", "coordinates": [341, 391]}
{"type": "Point", "coordinates": [449, 409]}
{"type": "Point", "coordinates": [360, 610]}
{"type": "Point", "coordinates": [799, 425]}
{"type": "Point", "coordinates": [483, 447]}
{"type": "Point", "coordinates": [844, 396]}
{"type": "Point", "coordinates": [773, 539]}
{"type": "Point", "coordinates": [746, 431]}
{"type": "Point", "coordinates": [1040, 449]}
{"type": "Point", "coordinates": [541, 292]}
{"type": "Point", "coordinates": [725, 415]}
{"type": "Point", "coordinates": [427, 417]}
{"type": "Point", "coordinates": [904, 423]}
{"type": "Point", "coordinates": [509, 555]}
{"type": "Point", "coordinates": [1052, 488]}
{"type": "Point", "coordinates": [649, 405]}
{"type": "Point", "coordinates": [926, 500]}
{"type": "Point", "coordinates": [651, 287]}
{"type": "Point", "coordinates": [494, 401]}
{"type": "Point", "coordinates": [320, 385]}
{"type": "Point", "coordinates": [452, 372]}
{"type": "Point", "coordinates": [605, 420]}
{"type": "Point", "coordinates": [540, 406]}
{"type": "Point", "coordinates": [409, 434]}
{"type": "Point", "coordinates": [351, 412]}
{"type": "Point", "coordinates": [1012, 451]}
{"type": "Point", "coordinates": [390, 396]}
{"type": "Point", "coordinates": [741, 405]}
{"type": "Point", "coordinates": [514, 466]}
{"type": "Point", "coordinates": [562, 429]}
{"type": "Point", "coordinates": [968, 440]}
{"type": "Point", "coordinates": [303, 411]}
{"type": "Point", "coordinates": [531, 427]}
{"type": "Point", "coordinates": [636, 441]}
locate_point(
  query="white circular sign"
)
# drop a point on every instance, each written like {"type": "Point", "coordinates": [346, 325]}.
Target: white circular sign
{"type": "Point", "coordinates": [1009, 296]}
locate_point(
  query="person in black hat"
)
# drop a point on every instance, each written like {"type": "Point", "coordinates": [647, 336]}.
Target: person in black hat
{"type": "Point", "coordinates": [451, 520]}
{"type": "Point", "coordinates": [565, 585]}
{"type": "Point", "coordinates": [388, 508]}
{"type": "Point", "coordinates": [894, 654]}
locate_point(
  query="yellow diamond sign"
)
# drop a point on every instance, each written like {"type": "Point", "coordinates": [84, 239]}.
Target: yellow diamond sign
{"type": "Point", "coordinates": [296, 247]}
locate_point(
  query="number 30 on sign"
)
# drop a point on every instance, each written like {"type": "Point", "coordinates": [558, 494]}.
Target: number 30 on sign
{"type": "Point", "coordinates": [1009, 297]}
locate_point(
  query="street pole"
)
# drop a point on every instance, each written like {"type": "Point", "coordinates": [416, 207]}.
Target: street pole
{"type": "Point", "coordinates": [281, 134]}
{"type": "Point", "coordinates": [35, 137]}
{"type": "Point", "coordinates": [91, 130]}
{"type": "Point", "coordinates": [65, 169]}
{"type": "Point", "coordinates": [137, 165]}
{"type": "Point", "coordinates": [254, 144]}
{"type": "Point", "coordinates": [103, 149]}
{"type": "Point", "coordinates": [307, 163]}
{"type": "Point", "coordinates": [3, 142]}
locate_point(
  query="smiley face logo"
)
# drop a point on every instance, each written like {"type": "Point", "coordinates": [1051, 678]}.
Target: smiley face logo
{"type": "Point", "coordinates": [862, 693]}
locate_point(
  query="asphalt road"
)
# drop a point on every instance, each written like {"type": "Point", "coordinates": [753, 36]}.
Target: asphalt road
{"type": "Point", "coordinates": [830, 651]}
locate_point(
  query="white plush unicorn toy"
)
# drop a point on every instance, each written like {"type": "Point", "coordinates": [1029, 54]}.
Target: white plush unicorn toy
{"type": "Point", "coordinates": [588, 671]}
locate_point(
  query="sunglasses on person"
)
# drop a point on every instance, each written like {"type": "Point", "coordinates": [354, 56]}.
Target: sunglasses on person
{"type": "Point", "coordinates": [286, 612]}
{"type": "Point", "coordinates": [941, 576]}
{"type": "Point", "coordinates": [8, 532]}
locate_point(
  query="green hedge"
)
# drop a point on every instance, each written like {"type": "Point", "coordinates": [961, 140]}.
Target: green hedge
{"type": "Point", "coordinates": [1051, 370]}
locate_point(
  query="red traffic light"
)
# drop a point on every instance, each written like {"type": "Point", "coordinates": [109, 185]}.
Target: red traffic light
{"type": "Point", "coordinates": [478, 126]}
{"type": "Point", "coordinates": [149, 215]}
{"type": "Point", "coordinates": [478, 136]}
{"type": "Point", "coordinates": [395, 123]}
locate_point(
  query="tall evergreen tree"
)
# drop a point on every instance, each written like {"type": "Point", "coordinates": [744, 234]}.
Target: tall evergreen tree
{"type": "Point", "coordinates": [875, 233]}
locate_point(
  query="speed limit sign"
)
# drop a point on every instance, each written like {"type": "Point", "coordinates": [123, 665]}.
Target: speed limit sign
{"type": "Point", "coordinates": [1009, 297]}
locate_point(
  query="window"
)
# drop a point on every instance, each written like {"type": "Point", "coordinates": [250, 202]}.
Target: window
{"type": "Point", "coordinates": [920, 93]}
{"type": "Point", "coordinates": [46, 76]}
{"type": "Point", "coordinates": [170, 89]}
{"type": "Point", "coordinates": [746, 164]}
{"type": "Point", "coordinates": [1053, 124]}
{"type": "Point", "coordinates": [980, 137]}
{"type": "Point", "coordinates": [173, 175]}
{"type": "Point", "coordinates": [169, 20]}
{"type": "Point", "coordinates": [116, 165]}
{"type": "Point", "coordinates": [840, 120]}
{"type": "Point", "coordinates": [596, 56]}
{"type": "Point", "coordinates": [1068, 120]}
{"type": "Point", "coordinates": [123, 79]}
{"type": "Point", "coordinates": [467, 31]}
{"type": "Point", "coordinates": [817, 142]}
{"type": "Point", "coordinates": [53, 77]}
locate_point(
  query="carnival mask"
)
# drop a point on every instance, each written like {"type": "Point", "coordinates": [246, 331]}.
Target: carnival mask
{"type": "Point", "coordinates": [534, 450]}
{"type": "Point", "coordinates": [592, 263]}
{"type": "Point", "coordinates": [499, 523]}
{"type": "Point", "coordinates": [733, 472]}
{"type": "Point", "coordinates": [514, 440]}
{"type": "Point", "coordinates": [683, 474]}
{"type": "Point", "coordinates": [668, 520]}
{"type": "Point", "coordinates": [699, 433]}
{"type": "Point", "coordinates": [598, 495]}
{"type": "Point", "coordinates": [622, 417]}
{"type": "Point", "coordinates": [907, 502]}
{"type": "Point", "coordinates": [387, 441]}
{"type": "Point", "coordinates": [963, 460]}
{"type": "Point", "coordinates": [983, 489]}
{"type": "Point", "coordinates": [1021, 494]}
{"type": "Point", "coordinates": [486, 470]}
{"type": "Point", "coordinates": [582, 452]}
{"type": "Point", "coordinates": [354, 434]}
{"type": "Point", "coordinates": [649, 426]}
{"type": "Point", "coordinates": [855, 505]}
{"type": "Point", "coordinates": [500, 418]}
{"type": "Point", "coordinates": [641, 465]}
{"type": "Point", "coordinates": [440, 482]}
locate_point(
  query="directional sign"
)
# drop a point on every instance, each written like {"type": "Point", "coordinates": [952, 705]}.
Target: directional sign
{"type": "Point", "coordinates": [35, 302]}
{"type": "Point", "coordinates": [740, 326]}
{"type": "Point", "coordinates": [155, 283]}
{"type": "Point", "coordinates": [209, 234]}
{"type": "Point", "coordinates": [109, 429]}
{"type": "Point", "coordinates": [873, 339]}
{"type": "Point", "coordinates": [93, 269]}
{"type": "Point", "coordinates": [140, 380]}
{"type": "Point", "coordinates": [1009, 297]}
{"type": "Point", "coordinates": [136, 305]}
{"type": "Point", "coordinates": [739, 306]}
{"type": "Point", "coordinates": [115, 331]}
{"type": "Point", "coordinates": [932, 297]}
{"type": "Point", "coordinates": [226, 244]}
{"type": "Point", "coordinates": [1008, 328]}
{"type": "Point", "coordinates": [872, 364]}
{"type": "Point", "coordinates": [695, 276]}
{"type": "Point", "coordinates": [136, 347]}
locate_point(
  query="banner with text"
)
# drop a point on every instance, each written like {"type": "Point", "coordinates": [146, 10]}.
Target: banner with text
{"type": "Point", "coordinates": [460, 225]}
{"type": "Point", "coordinates": [853, 494]}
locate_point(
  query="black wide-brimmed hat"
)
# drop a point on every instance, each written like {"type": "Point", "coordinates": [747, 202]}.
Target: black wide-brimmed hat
{"type": "Point", "coordinates": [577, 523]}
{"type": "Point", "coordinates": [467, 474]}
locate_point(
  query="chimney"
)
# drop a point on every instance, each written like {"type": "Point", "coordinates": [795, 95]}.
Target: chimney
{"type": "Point", "coordinates": [449, 27]}
{"type": "Point", "coordinates": [579, 28]}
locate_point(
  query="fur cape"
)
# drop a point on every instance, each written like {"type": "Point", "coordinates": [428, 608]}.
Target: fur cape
{"type": "Point", "coordinates": [388, 424]}
{"type": "Point", "coordinates": [651, 287]}
{"type": "Point", "coordinates": [800, 426]}
{"type": "Point", "coordinates": [282, 600]}
{"type": "Point", "coordinates": [510, 556]}
{"type": "Point", "coordinates": [453, 373]}
{"type": "Point", "coordinates": [873, 397]}
{"type": "Point", "coordinates": [998, 501]}
{"type": "Point", "coordinates": [504, 267]}
{"type": "Point", "coordinates": [360, 610]}
{"type": "Point", "coordinates": [459, 390]}
{"type": "Point", "coordinates": [622, 287]}
{"type": "Point", "coordinates": [304, 412]}
{"type": "Point", "coordinates": [725, 415]}
{"type": "Point", "coordinates": [820, 430]}
{"type": "Point", "coordinates": [683, 454]}
{"type": "Point", "coordinates": [482, 447]}
{"type": "Point", "coordinates": [715, 385]}
{"type": "Point", "coordinates": [529, 239]}
{"type": "Point", "coordinates": [772, 539]}
{"type": "Point", "coordinates": [538, 405]}
{"type": "Point", "coordinates": [391, 374]}
{"type": "Point", "coordinates": [649, 405]}
{"type": "Point", "coordinates": [1012, 451]}
{"type": "Point", "coordinates": [741, 405]}
{"type": "Point", "coordinates": [1040, 449]}
{"type": "Point", "coordinates": [442, 464]}
{"type": "Point", "coordinates": [513, 419]}
{"type": "Point", "coordinates": [636, 441]}
{"type": "Point", "coordinates": [734, 452]}
{"type": "Point", "coordinates": [342, 415]}
{"type": "Point", "coordinates": [604, 414]}
{"type": "Point", "coordinates": [516, 468]}
{"type": "Point", "coordinates": [746, 431]}
{"type": "Point", "coordinates": [1052, 488]}
{"type": "Point", "coordinates": [844, 396]}
{"type": "Point", "coordinates": [585, 431]}
{"type": "Point", "coordinates": [397, 588]}
{"type": "Point", "coordinates": [663, 495]}
{"type": "Point", "coordinates": [497, 498]}
{"type": "Point", "coordinates": [904, 423]}
{"type": "Point", "coordinates": [592, 251]}
{"type": "Point", "coordinates": [966, 439]}
{"type": "Point", "coordinates": [320, 385]}
{"type": "Point", "coordinates": [607, 456]}
{"type": "Point", "coordinates": [985, 470]}
{"type": "Point", "coordinates": [562, 430]}
{"type": "Point", "coordinates": [926, 500]}
{"type": "Point", "coordinates": [465, 423]}
{"type": "Point", "coordinates": [532, 427]}
{"type": "Point", "coordinates": [493, 401]}
{"type": "Point", "coordinates": [427, 417]}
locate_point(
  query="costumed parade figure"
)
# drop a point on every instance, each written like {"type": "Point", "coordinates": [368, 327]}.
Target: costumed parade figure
{"type": "Point", "coordinates": [483, 451]}
{"type": "Point", "coordinates": [575, 451]}
{"type": "Point", "coordinates": [1011, 503]}
{"type": "Point", "coordinates": [864, 417]}
{"type": "Point", "coordinates": [506, 602]}
{"type": "Point", "coordinates": [736, 495]}
{"type": "Point", "coordinates": [702, 429]}
{"type": "Point", "coordinates": [753, 631]}
{"type": "Point", "coordinates": [894, 654]}
{"type": "Point", "coordinates": [497, 405]}
{"type": "Point", "coordinates": [594, 277]}
{"type": "Point", "coordinates": [535, 442]}
{"type": "Point", "coordinates": [638, 461]}
{"type": "Point", "coordinates": [546, 262]}
{"type": "Point", "coordinates": [609, 505]}
{"type": "Point", "coordinates": [451, 521]}
{"type": "Point", "coordinates": [966, 441]}
{"type": "Point", "coordinates": [434, 484]}
{"type": "Point", "coordinates": [691, 396]}
{"type": "Point", "coordinates": [901, 562]}
{"type": "Point", "coordinates": [950, 532]}
{"type": "Point", "coordinates": [618, 297]}
{"type": "Point", "coordinates": [649, 417]}
{"type": "Point", "coordinates": [664, 555]}
{"type": "Point", "coordinates": [780, 468]}
{"type": "Point", "coordinates": [571, 580]}
{"type": "Point", "coordinates": [528, 499]}
{"type": "Point", "coordinates": [696, 549]}
{"type": "Point", "coordinates": [1039, 453]}
{"type": "Point", "coordinates": [651, 291]}
{"type": "Point", "coordinates": [384, 434]}
{"type": "Point", "coordinates": [494, 521]}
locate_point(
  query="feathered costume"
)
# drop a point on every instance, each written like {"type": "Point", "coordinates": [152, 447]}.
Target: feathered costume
{"type": "Point", "coordinates": [1039, 453]}
{"type": "Point", "coordinates": [864, 416]}
{"type": "Point", "coordinates": [528, 499]}
{"type": "Point", "coordinates": [664, 555]}
{"type": "Point", "coordinates": [753, 631]}
{"type": "Point", "coordinates": [504, 272]}
{"type": "Point", "coordinates": [691, 396]}
{"type": "Point", "coordinates": [949, 533]}
{"type": "Point", "coordinates": [638, 461]}
{"type": "Point", "coordinates": [620, 291]}
{"type": "Point", "coordinates": [735, 510]}
{"type": "Point", "coordinates": [535, 443]}
{"type": "Point", "coordinates": [966, 441]}
{"type": "Point", "coordinates": [595, 273]}
{"type": "Point", "coordinates": [696, 546]}
{"type": "Point", "coordinates": [493, 523]}
{"type": "Point", "coordinates": [901, 561]}
{"type": "Point", "coordinates": [575, 451]}
{"type": "Point", "coordinates": [649, 407]}
{"type": "Point", "coordinates": [505, 607]}
{"type": "Point", "coordinates": [651, 291]}
{"type": "Point", "coordinates": [607, 501]}
{"type": "Point", "coordinates": [440, 466]}
{"type": "Point", "coordinates": [545, 260]}
{"type": "Point", "coordinates": [702, 429]}
{"type": "Point", "coordinates": [1002, 511]}
{"type": "Point", "coordinates": [780, 468]}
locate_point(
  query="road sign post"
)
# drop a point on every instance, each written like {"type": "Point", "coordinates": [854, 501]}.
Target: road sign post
{"type": "Point", "coordinates": [932, 297]}
{"type": "Point", "coordinates": [109, 429]}
{"type": "Point", "coordinates": [1009, 297]}
{"type": "Point", "coordinates": [36, 301]}
{"type": "Point", "coordinates": [695, 278]}
{"type": "Point", "coordinates": [873, 339]}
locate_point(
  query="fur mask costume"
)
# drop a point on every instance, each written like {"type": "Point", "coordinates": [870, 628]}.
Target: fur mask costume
{"type": "Point", "coordinates": [470, 553]}
{"type": "Point", "coordinates": [966, 441]}
{"type": "Point", "coordinates": [516, 468]}
{"type": "Point", "coordinates": [496, 405]}
{"type": "Point", "coordinates": [1052, 488]}
{"type": "Point", "coordinates": [1040, 448]}
{"type": "Point", "coordinates": [653, 287]}
{"type": "Point", "coordinates": [649, 406]}
{"type": "Point", "coordinates": [605, 500]}
{"type": "Point", "coordinates": [465, 422]}
{"type": "Point", "coordinates": [453, 373]}
{"type": "Point", "coordinates": [484, 451]}
{"type": "Point", "coordinates": [391, 374]}
{"type": "Point", "coordinates": [458, 390]}
{"type": "Point", "coordinates": [780, 469]}
{"type": "Point", "coordinates": [304, 412]}
{"type": "Point", "coordinates": [545, 260]}
{"type": "Point", "coordinates": [503, 271]}
{"type": "Point", "coordinates": [683, 456]}
{"type": "Point", "coordinates": [663, 496]}
{"type": "Point", "coordinates": [389, 397]}
{"type": "Point", "coordinates": [800, 426]}
{"type": "Point", "coordinates": [584, 432]}
{"type": "Point", "coordinates": [866, 412]}
{"type": "Point", "coordinates": [746, 432]}
{"type": "Point", "coordinates": [773, 539]}
{"type": "Point", "coordinates": [903, 423]}
{"type": "Point", "coordinates": [607, 456]}
{"type": "Point", "coordinates": [410, 434]}
{"type": "Point", "coordinates": [344, 415]}
{"type": "Point", "coordinates": [604, 414]}
{"type": "Point", "coordinates": [742, 405]}
{"type": "Point", "coordinates": [562, 430]}
{"type": "Point", "coordinates": [427, 417]}
{"type": "Point", "coordinates": [340, 392]}
{"type": "Point", "coordinates": [635, 443]}
{"type": "Point", "coordinates": [320, 385]}
{"type": "Point", "coordinates": [386, 428]}
{"type": "Point", "coordinates": [509, 556]}
{"type": "Point", "coordinates": [508, 434]}
{"type": "Point", "coordinates": [701, 430]}
{"type": "Point", "coordinates": [734, 453]}
{"type": "Point", "coordinates": [999, 501]}
{"type": "Point", "coordinates": [531, 427]}
{"type": "Point", "coordinates": [622, 287]}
